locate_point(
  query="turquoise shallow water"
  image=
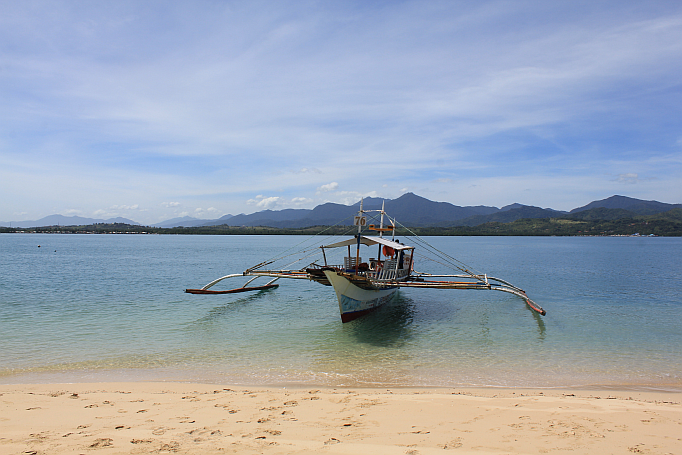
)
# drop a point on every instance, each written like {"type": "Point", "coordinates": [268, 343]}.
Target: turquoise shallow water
{"type": "Point", "coordinates": [112, 307]}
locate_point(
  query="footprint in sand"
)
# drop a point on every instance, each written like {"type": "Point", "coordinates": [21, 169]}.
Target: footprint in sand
{"type": "Point", "coordinates": [141, 441]}
{"type": "Point", "coordinates": [158, 431]}
{"type": "Point", "coordinates": [39, 436]}
{"type": "Point", "coordinates": [101, 442]}
{"type": "Point", "coordinates": [454, 444]}
{"type": "Point", "coordinates": [170, 447]}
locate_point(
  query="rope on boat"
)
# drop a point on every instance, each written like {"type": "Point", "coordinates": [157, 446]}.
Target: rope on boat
{"type": "Point", "coordinates": [506, 286]}
{"type": "Point", "coordinates": [313, 252]}
{"type": "Point", "coordinates": [444, 256]}
{"type": "Point", "coordinates": [277, 258]}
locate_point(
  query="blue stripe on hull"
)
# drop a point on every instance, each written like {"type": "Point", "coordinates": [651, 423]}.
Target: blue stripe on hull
{"type": "Point", "coordinates": [354, 301]}
{"type": "Point", "coordinates": [352, 309]}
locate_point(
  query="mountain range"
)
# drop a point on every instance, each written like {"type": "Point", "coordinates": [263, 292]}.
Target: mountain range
{"type": "Point", "coordinates": [61, 220]}
{"type": "Point", "coordinates": [409, 210]}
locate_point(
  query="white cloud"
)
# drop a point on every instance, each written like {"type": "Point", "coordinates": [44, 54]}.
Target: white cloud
{"type": "Point", "coordinates": [630, 178]}
{"type": "Point", "coordinates": [199, 212]}
{"type": "Point", "coordinates": [328, 187]}
{"type": "Point", "coordinates": [170, 204]}
{"type": "Point", "coordinates": [268, 202]}
{"type": "Point", "coordinates": [263, 202]}
{"type": "Point", "coordinates": [350, 197]}
{"type": "Point", "coordinates": [305, 170]}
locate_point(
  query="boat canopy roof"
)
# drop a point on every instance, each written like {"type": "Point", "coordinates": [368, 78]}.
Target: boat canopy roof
{"type": "Point", "coordinates": [366, 240]}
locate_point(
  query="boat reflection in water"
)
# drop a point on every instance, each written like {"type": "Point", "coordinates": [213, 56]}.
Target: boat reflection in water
{"type": "Point", "coordinates": [372, 350]}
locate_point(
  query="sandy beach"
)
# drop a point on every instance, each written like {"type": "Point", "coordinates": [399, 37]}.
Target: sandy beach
{"type": "Point", "coordinates": [135, 418]}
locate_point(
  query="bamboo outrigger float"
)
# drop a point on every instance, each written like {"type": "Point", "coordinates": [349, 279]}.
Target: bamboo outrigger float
{"type": "Point", "coordinates": [362, 287]}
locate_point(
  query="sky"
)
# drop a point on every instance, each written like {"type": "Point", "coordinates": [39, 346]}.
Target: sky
{"type": "Point", "coordinates": [152, 110]}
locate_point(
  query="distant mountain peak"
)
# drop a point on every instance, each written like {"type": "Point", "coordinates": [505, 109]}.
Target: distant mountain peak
{"type": "Point", "coordinates": [515, 205]}
{"type": "Point", "coordinates": [638, 206]}
{"type": "Point", "coordinates": [411, 196]}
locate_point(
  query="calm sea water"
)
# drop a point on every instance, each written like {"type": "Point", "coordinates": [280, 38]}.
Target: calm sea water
{"type": "Point", "coordinates": [112, 307]}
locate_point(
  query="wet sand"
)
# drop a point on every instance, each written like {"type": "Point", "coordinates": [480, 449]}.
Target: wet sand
{"type": "Point", "coordinates": [138, 418]}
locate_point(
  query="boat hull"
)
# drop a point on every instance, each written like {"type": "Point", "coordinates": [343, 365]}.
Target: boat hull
{"type": "Point", "coordinates": [355, 301]}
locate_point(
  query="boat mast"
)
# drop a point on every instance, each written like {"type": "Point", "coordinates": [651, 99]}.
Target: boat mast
{"type": "Point", "coordinates": [381, 231]}
{"type": "Point", "coordinates": [357, 254]}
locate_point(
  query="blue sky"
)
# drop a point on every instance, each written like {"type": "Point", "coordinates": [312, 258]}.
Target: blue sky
{"type": "Point", "coordinates": [152, 110]}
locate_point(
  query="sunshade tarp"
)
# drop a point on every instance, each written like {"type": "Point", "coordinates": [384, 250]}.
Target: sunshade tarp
{"type": "Point", "coordinates": [365, 240]}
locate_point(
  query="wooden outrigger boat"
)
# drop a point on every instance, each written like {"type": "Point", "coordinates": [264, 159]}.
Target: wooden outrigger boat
{"type": "Point", "coordinates": [362, 287]}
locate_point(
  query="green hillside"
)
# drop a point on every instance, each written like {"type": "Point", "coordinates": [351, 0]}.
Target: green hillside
{"type": "Point", "coordinates": [598, 221]}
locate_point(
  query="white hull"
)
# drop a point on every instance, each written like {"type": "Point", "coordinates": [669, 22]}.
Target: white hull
{"type": "Point", "coordinates": [354, 301]}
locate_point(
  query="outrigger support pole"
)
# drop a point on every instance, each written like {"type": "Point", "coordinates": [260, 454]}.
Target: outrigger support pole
{"type": "Point", "coordinates": [244, 288]}
{"type": "Point", "coordinates": [274, 274]}
{"type": "Point", "coordinates": [482, 284]}
{"type": "Point", "coordinates": [218, 281]}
